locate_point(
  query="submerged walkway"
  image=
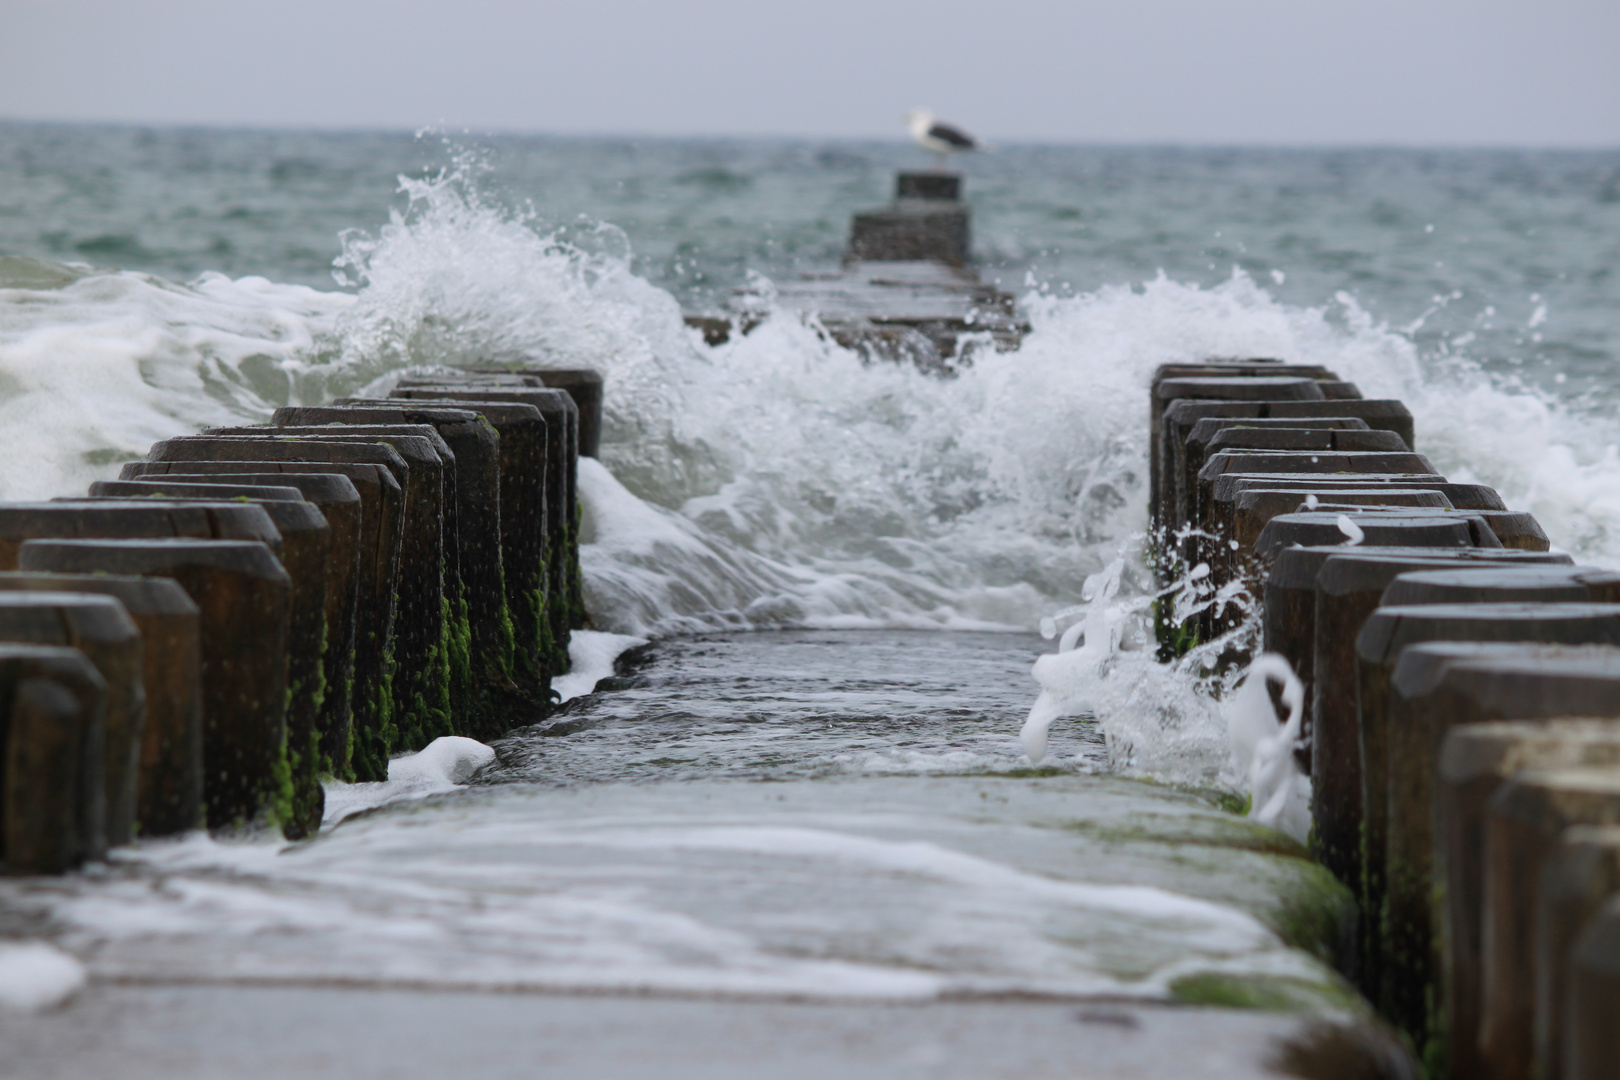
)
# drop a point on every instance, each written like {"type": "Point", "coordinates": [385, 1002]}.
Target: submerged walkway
{"type": "Point", "coordinates": [776, 854]}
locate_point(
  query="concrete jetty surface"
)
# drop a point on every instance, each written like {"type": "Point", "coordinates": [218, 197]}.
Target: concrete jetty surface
{"type": "Point", "coordinates": [794, 853]}
{"type": "Point", "coordinates": [805, 853]}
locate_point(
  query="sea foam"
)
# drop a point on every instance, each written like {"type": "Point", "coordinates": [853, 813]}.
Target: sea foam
{"type": "Point", "coordinates": [777, 479]}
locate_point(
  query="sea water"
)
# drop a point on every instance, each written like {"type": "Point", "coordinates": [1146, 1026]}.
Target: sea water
{"type": "Point", "coordinates": [153, 281]}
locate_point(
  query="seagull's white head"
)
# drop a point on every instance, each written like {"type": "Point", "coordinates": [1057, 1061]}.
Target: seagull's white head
{"type": "Point", "coordinates": [918, 119]}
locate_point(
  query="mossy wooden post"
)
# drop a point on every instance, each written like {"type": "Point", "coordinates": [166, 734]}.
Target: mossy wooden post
{"type": "Point", "coordinates": [134, 519]}
{"type": "Point", "coordinates": [564, 598]}
{"type": "Point", "coordinates": [1234, 436]}
{"type": "Point", "coordinates": [53, 706]}
{"type": "Point", "coordinates": [1582, 872]}
{"type": "Point", "coordinates": [1288, 611]}
{"type": "Point", "coordinates": [205, 489]}
{"type": "Point", "coordinates": [1200, 507]}
{"type": "Point", "coordinates": [1171, 448]}
{"type": "Point", "coordinates": [1523, 823]}
{"type": "Point", "coordinates": [1287, 440]}
{"type": "Point", "coordinates": [482, 655]}
{"type": "Point", "coordinates": [100, 628]}
{"type": "Point", "coordinates": [243, 596]}
{"type": "Point", "coordinates": [1516, 529]}
{"type": "Point", "coordinates": [1228, 489]}
{"type": "Point", "coordinates": [1394, 527]}
{"type": "Point", "coordinates": [1400, 748]}
{"type": "Point", "coordinates": [1168, 391]}
{"type": "Point", "coordinates": [1343, 586]}
{"type": "Point", "coordinates": [306, 540]}
{"type": "Point", "coordinates": [584, 385]}
{"type": "Point", "coordinates": [1550, 583]}
{"type": "Point", "coordinates": [1591, 1037]}
{"type": "Point", "coordinates": [362, 548]}
{"type": "Point", "coordinates": [1186, 459]}
{"type": "Point", "coordinates": [340, 503]}
{"type": "Point", "coordinates": [523, 441]}
{"type": "Point", "coordinates": [168, 792]}
{"type": "Point", "coordinates": [1475, 760]}
{"type": "Point", "coordinates": [1440, 530]}
{"type": "Point", "coordinates": [373, 467]}
{"type": "Point", "coordinates": [1254, 508]}
{"type": "Point", "coordinates": [422, 627]}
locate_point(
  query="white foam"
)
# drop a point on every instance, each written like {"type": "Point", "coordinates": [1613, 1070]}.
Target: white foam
{"type": "Point", "coordinates": [816, 889]}
{"type": "Point", "coordinates": [35, 976]}
{"type": "Point", "coordinates": [591, 654]}
{"type": "Point", "coordinates": [444, 764]}
{"type": "Point", "coordinates": [777, 479]}
{"type": "Point", "coordinates": [1263, 751]}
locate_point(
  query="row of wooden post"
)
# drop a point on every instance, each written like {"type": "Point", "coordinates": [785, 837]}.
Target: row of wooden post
{"type": "Point", "coordinates": [1463, 706]}
{"type": "Point", "coordinates": [252, 610]}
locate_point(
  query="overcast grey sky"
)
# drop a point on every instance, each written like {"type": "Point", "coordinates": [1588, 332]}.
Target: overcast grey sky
{"type": "Point", "coordinates": [1497, 72]}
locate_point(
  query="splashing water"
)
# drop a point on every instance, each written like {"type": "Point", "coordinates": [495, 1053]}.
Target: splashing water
{"type": "Point", "coordinates": [1263, 752]}
{"type": "Point", "coordinates": [1068, 675]}
{"type": "Point", "coordinates": [1353, 533]}
{"type": "Point", "coordinates": [777, 479]}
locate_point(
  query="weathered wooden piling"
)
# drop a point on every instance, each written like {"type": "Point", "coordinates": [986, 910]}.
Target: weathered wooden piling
{"type": "Point", "coordinates": [53, 707]}
{"type": "Point", "coordinates": [1440, 530]}
{"type": "Point", "coordinates": [1516, 529]}
{"type": "Point", "coordinates": [1167, 392]}
{"type": "Point", "coordinates": [1397, 761]}
{"type": "Point", "coordinates": [1255, 507]}
{"type": "Point", "coordinates": [100, 628]}
{"type": "Point", "coordinates": [338, 503]}
{"type": "Point", "coordinates": [1183, 460]}
{"type": "Point", "coordinates": [1522, 825]}
{"type": "Point", "coordinates": [522, 430]}
{"type": "Point", "coordinates": [306, 541]}
{"type": "Point", "coordinates": [563, 603]}
{"type": "Point", "coordinates": [1250, 461]}
{"type": "Point", "coordinates": [362, 504]}
{"type": "Point", "coordinates": [135, 519]}
{"type": "Point", "coordinates": [1500, 584]}
{"type": "Point", "coordinates": [425, 625]}
{"type": "Point", "coordinates": [1591, 1037]}
{"type": "Point", "coordinates": [1392, 527]}
{"type": "Point", "coordinates": [1316, 601]}
{"type": "Point", "coordinates": [926, 221]}
{"type": "Point", "coordinates": [482, 660]}
{"type": "Point", "coordinates": [371, 737]}
{"type": "Point", "coordinates": [1580, 876]}
{"type": "Point", "coordinates": [1229, 488]}
{"type": "Point", "coordinates": [1171, 429]}
{"type": "Point", "coordinates": [168, 791]}
{"type": "Point", "coordinates": [1198, 510]}
{"type": "Point", "coordinates": [1476, 759]}
{"type": "Point", "coordinates": [1275, 440]}
{"type": "Point", "coordinates": [1268, 366]}
{"type": "Point", "coordinates": [1303, 439]}
{"type": "Point", "coordinates": [584, 385]}
{"type": "Point", "coordinates": [243, 596]}
{"type": "Point", "coordinates": [1407, 708]}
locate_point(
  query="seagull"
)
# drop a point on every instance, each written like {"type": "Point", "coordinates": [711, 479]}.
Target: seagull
{"type": "Point", "coordinates": [942, 140]}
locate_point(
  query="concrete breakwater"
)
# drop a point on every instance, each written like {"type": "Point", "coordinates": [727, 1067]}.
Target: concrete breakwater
{"type": "Point", "coordinates": [1462, 709]}
{"type": "Point", "coordinates": [445, 513]}
{"type": "Point", "coordinates": [252, 609]}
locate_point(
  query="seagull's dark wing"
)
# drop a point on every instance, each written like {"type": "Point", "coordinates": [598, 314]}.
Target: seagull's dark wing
{"type": "Point", "coordinates": [947, 134]}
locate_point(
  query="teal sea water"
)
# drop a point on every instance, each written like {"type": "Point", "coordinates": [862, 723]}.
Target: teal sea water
{"type": "Point", "coordinates": [1441, 245]}
{"type": "Point", "coordinates": [155, 279]}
